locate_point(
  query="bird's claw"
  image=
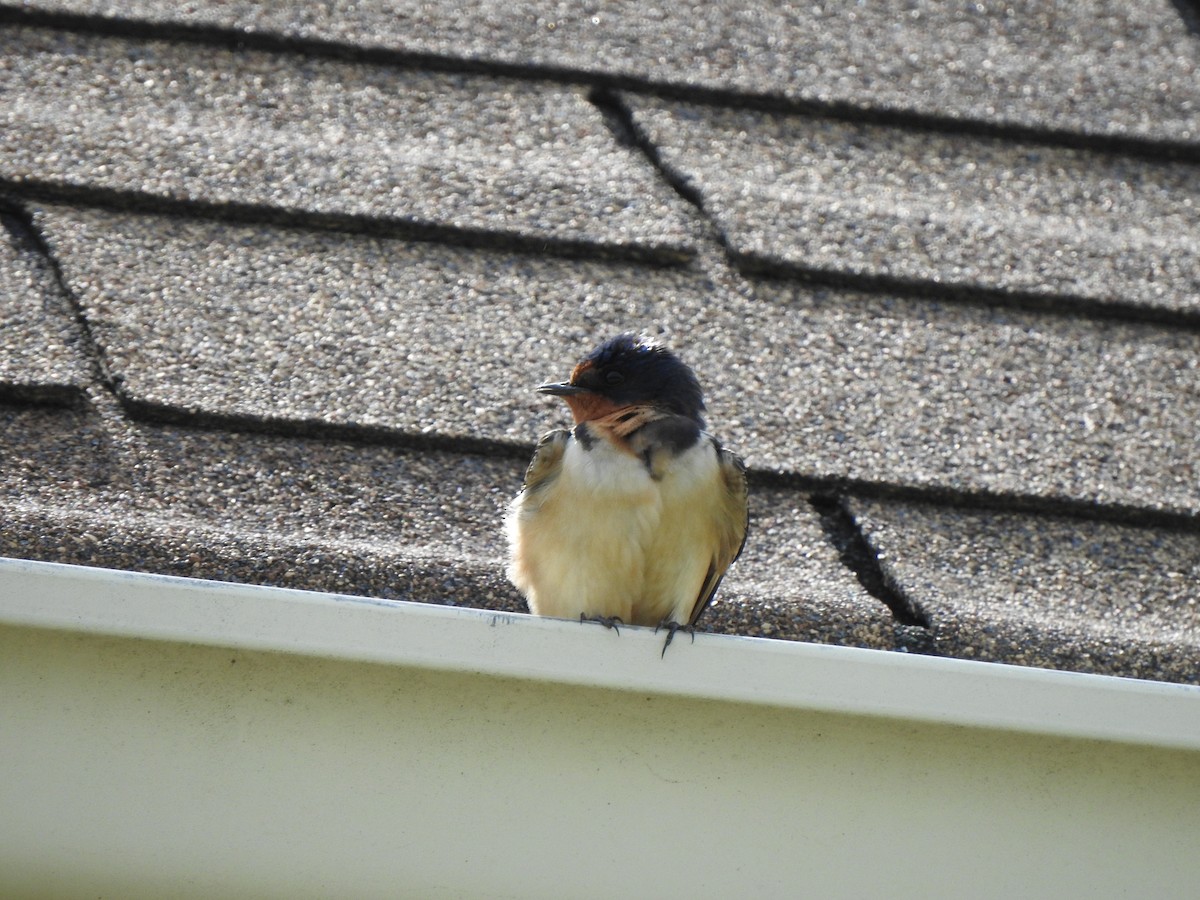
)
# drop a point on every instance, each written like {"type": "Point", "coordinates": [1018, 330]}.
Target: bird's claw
{"type": "Point", "coordinates": [673, 627]}
{"type": "Point", "coordinates": [607, 621]}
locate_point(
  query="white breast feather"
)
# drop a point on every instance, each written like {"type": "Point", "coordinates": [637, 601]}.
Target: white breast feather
{"type": "Point", "coordinates": [605, 539]}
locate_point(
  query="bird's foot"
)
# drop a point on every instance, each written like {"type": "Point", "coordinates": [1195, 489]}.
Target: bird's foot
{"type": "Point", "coordinates": [673, 627]}
{"type": "Point", "coordinates": [607, 621]}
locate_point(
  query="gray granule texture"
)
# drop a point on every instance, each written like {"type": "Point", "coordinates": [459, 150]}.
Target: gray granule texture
{"type": "Point", "coordinates": [329, 140]}
{"type": "Point", "coordinates": [295, 328]}
{"type": "Point", "coordinates": [40, 356]}
{"type": "Point", "coordinates": [960, 399]}
{"type": "Point", "coordinates": [357, 495]}
{"type": "Point", "coordinates": [195, 549]}
{"type": "Point", "coordinates": [915, 205]}
{"type": "Point", "coordinates": [1108, 67]}
{"type": "Point", "coordinates": [1046, 590]}
{"type": "Point", "coordinates": [324, 328]}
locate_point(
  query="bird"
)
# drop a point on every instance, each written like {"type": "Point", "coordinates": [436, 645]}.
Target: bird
{"type": "Point", "coordinates": [633, 515]}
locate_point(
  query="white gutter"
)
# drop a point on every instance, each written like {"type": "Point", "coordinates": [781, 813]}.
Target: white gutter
{"type": "Point", "coordinates": [383, 749]}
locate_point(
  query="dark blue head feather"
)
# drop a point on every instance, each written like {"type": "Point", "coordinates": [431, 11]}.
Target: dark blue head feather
{"type": "Point", "coordinates": [635, 371]}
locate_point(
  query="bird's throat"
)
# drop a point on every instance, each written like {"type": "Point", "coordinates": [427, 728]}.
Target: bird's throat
{"type": "Point", "coordinates": [589, 407]}
{"type": "Point", "coordinates": [625, 420]}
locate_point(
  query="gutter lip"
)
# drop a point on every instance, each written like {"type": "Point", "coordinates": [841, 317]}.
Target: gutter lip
{"type": "Point", "coordinates": [791, 675]}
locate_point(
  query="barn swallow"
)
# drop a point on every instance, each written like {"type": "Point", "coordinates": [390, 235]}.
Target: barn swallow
{"type": "Point", "coordinates": [633, 515]}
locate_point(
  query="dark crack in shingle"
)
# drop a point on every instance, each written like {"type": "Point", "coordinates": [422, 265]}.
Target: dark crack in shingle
{"type": "Point", "coordinates": [40, 357]}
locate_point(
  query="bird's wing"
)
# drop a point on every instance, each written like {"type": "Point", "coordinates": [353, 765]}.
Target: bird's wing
{"type": "Point", "coordinates": [547, 460]}
{"type": "Point", "coordinates": [734, 522]}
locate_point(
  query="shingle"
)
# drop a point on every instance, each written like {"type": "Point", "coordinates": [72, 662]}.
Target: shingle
{"type": "Point", "coordinates": [40, 359]}
{"type": "Point", "coordinates": [311, 328]}
{"type": "Point", "coordinates": [923, 154]}
{"type": "Point", "coordinates": [1112, 67]}
{"type": "Point", "coordinates": [94, 488]}
{"type": "Point", "coordinates": [318, 328]}
{"type": "Point", "coordinates": [362, 497]}
{"type": "Point", "coordinates": [275, 134]}
{"type": "Point", "coordinates": [962, 398]}
{"type": "Point", "coordinates": [815, 195]}
{"type": "Point", "coordinates": [1040, 590]}
{"type": "Point", "coordinates": [49, 453]}
{"type": "Point", "coordinates": [194, 549]}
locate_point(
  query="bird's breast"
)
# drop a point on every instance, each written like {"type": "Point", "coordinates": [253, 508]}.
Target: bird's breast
{"type": "Point", "coordinates": [598, 465]}
{"type": "Point", "coordinates": [611, 535]}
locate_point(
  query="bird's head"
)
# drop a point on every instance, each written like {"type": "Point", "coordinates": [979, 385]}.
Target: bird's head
{"type": "Point", "coordinates": [628, 371]}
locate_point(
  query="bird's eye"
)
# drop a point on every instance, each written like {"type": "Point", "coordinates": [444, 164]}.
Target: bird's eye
{"type": "Point", "coordinates": [613, 377]}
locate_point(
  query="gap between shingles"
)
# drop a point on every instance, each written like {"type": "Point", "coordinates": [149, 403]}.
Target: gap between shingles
{"type": "Point", "coordinates": [856, 554]}
{"type": "Point", "coordinates": [1071, 307]}
{"type": "Point", "coordinates": [645, 252]}
{"type": "Point", "coordinates": [70, 396]}
{"type": "Point", "coordinates": [233, 39]}
{"type": "Point", "coordinates": [711, 238]}
{"type": "Point", "coordinates": [1189, 12]}
{"type": "Point", "coordinates": [619, 118]}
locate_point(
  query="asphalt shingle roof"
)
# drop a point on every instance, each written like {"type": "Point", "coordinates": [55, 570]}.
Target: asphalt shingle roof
{"type": "Point", "coordinates": [1110, 68]}
{"type": "Point", "coordinates": [277, 282]}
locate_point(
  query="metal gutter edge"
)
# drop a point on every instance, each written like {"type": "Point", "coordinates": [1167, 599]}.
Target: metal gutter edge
{"type": "Point", "coordinates": [743, 670]}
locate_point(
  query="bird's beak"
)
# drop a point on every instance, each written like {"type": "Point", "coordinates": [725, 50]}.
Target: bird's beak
{"type": "Point", "coordinates": [561, 389]}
